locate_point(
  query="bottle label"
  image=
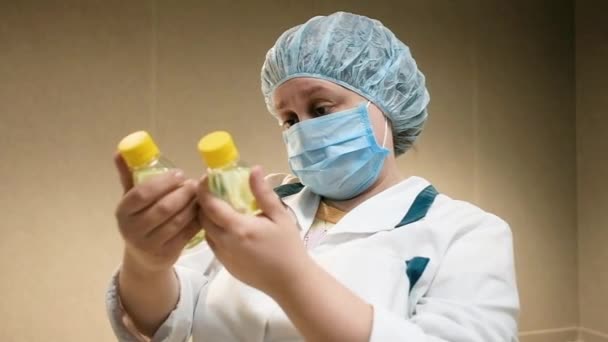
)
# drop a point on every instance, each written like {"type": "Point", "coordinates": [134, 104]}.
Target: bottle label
{"type": "Point", "coordinates": [140, 176]}
{"type": "Point", "coordinates": [232, 186]}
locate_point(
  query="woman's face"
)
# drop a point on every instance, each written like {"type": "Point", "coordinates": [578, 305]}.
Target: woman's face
{"type": "Point", "coordinates": [304, 98]}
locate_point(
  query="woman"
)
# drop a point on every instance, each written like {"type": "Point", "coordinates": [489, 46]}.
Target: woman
{"type": "Point", "coordinates": [349, 251]}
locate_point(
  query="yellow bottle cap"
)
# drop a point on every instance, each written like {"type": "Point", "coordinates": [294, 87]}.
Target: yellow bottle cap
{"type": "Point", "coordinates": [217, 149]}
{"type": "Point", "coordinates": [138, 149]}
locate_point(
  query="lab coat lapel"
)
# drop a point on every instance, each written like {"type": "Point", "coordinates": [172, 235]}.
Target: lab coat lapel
{"type": "Point", "coordinates": [304, 206]}
{"type": "Point", "coordinates": [382, 211]}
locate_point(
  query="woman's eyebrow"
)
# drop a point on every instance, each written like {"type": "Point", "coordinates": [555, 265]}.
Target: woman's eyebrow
{"type": "Point", "coordinates": [305, 93]}
{"type": "Point", "coordinates": [313, 90]}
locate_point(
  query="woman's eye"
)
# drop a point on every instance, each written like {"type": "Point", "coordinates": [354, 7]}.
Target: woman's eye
{"type": "Point", "coordinates": [321, 110]}
{"type": "Point", "coordinates": [289, 122]}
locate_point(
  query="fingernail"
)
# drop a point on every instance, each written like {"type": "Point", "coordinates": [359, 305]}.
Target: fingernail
{"type": "Point", "coordinates": [179, 174]}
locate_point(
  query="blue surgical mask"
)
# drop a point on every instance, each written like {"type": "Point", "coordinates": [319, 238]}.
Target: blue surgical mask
{"type": "Point", "coordinates": [336, 155]}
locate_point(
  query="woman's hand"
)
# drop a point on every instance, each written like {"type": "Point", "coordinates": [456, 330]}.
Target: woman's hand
{"type": "Point", "coordinates": [263, 251]}
{"type": "Point", "coordinates": [156, 219]}
{"type": "Point", "coordinates": [266, 252]}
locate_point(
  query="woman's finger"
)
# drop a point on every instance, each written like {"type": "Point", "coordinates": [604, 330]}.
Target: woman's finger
{"type": "Point", "coordinates": [163, 210]}
{"type": "Point", "coordinates": [184, 236]}
{"type": "Point", "coordinates": [211, 229]}
{"type": "Point", "coordinates": [217, 210]}
{"type": "Point", "coordinates": [173, 227]}
{"type": "Point", "coordinates": [266, 198]}
{"type": "Point", "coordinates": [146, 194]}
{"type": "Point", "coordinates": [212, 244]}
{"type": "Point", "coordinates": [126, 179]}
{"type": "Point", "coordinates": [170, 205]}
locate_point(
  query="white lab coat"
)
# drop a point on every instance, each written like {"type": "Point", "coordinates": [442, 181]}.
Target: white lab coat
{"type": "Point", "coordinates": [466, 293]}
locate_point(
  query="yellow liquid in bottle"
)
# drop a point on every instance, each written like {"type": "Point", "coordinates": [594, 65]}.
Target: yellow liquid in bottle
{"type": "Point", "coordinates": [232, 185]}
{"type": "Point", "coordinates": [145, 161]}
{"type": "Point", "coordinates": [155, 168]}
{"type": "Point", "coordinates": [228, 179]}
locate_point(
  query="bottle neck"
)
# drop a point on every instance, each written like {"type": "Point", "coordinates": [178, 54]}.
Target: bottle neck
{"type": "Point", "coordinates": [230, 165]}
{"type": "Point", "coordinates": [155, 161]}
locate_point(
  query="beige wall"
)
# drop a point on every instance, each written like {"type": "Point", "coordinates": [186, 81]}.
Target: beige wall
{"type": "Point", "coordinates": [526, 164]}
{"type": "Point", "coordinates": [592, 149]}
{"type": "Point", "coordinates": [78, 75]}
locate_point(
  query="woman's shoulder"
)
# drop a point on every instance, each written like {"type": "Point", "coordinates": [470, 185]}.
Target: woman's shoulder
{"type": "Point", "coordinates": [463, 217]}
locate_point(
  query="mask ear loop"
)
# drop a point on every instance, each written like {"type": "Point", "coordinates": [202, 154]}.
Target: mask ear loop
{"type": "Point", "coordinates": [385, 125]}
{"type": "Point", "coordinates": [385, 131]}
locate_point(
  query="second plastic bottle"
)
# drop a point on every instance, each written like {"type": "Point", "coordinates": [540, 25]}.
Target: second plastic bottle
{"type": "Point", "coordinates": [228, 177]}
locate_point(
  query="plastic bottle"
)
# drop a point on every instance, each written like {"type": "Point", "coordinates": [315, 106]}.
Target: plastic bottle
{"type": "Point", "coordinates": [228, 177]}
{"type": "Point", "coordinates": [144, 159]}
{"type": "Point", "coordinates": [143, 156]}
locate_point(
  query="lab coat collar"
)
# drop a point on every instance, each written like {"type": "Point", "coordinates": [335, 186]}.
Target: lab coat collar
{"type": "Point", "coordinates": [381, 212]}
{"type": "Point", "coordinates": [304, 206]}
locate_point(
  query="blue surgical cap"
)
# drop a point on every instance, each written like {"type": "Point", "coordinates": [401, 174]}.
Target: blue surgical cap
{"type": "Point", "coordinates": [359, 54]}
